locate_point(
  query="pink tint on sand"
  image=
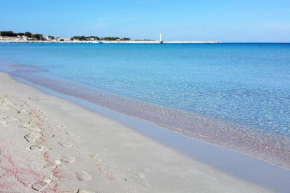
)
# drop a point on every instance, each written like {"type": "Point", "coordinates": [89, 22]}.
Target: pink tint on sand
{"type": "Point", "coordinates": [15, 170]}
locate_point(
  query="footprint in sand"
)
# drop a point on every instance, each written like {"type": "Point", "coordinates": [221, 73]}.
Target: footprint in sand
{"type": "Point", "coordinates": [49, 165]}
{"type": "Point", "coordinates": [98, 161]}
{"type": "Point", "coordinates": [7, 103]}
{"type": "Point", "coordinates": [32, 137]}
{"type": "Point", "coordinates": [146, 169]}
{"type": "Point", "coordinates": [52, 164]}
{"type": "Point", "coordinates": [28, 125]}
{"type": "Point", "coordinates": [3, 109]}
{"type": "Point", "coordinates": [25, 112]}
{"type": "Point", "coordinates": [68, 160]}
{"type": "Point", "coordinates": [14, 119]}
{"type": "Point", "coordinates": [96, 158]}
{"type": "Point", "coordinates": [37, 147]}
{"type": "Point", "coordinates": [41, 185]}
{"type": "Point", "coordinates": [74, 136]}
{"type": "Point", "coordinates": [141, 176]}
{"type": "Point", "coordinates": [66, 144]}
{"type": "Point", "coordinates": [83, 176]}
{"type": "Point", "coordinates": [48, 135]}
{"type": "Point", "coordinates": [79, 191]}
{"type": "Point", "coordinates": [35, 129]}
{"type": "Point", "coordinates": [84, 191]}
{"type": "Point", "coordinates": [4, 124]}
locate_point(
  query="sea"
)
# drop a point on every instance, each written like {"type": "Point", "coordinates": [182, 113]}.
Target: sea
{"type": "Point", "coordinates": [235, 95]}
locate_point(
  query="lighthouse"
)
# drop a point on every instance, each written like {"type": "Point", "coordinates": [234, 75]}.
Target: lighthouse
{"type": "Point", "coordinates": [160, 38]}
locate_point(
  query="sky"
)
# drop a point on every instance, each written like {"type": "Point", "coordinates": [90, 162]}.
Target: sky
{"type": "Point", "coordinates": [222, 20]}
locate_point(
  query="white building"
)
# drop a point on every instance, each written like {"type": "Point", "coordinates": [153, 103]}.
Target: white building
{"type": "Point", "coordinates": [8, 39]}
{"type": "Point", "coordinates": [48, 38]}
{"type": "Point", "coordinates": [22, 38]}
{"type": "Point", "coordinates": [62, 38]}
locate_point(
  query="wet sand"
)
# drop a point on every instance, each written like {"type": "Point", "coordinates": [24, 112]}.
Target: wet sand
{"type": "Point", "coordinates": [48, 144]}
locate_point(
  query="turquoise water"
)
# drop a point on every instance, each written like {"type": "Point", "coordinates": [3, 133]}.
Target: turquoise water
{"type": "Point", "coordinates": [207, 91]}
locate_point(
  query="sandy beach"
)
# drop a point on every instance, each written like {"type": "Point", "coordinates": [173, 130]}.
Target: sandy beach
{"type": "Point", "coordinates": [48, 144]}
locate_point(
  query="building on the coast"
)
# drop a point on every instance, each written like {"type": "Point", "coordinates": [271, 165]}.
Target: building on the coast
{"type": "Point", "coordinates": [62, 39]}
{"type": "Point", "coordinates": [48, 38]}
{"type": "Point", "coordinates": [23, 38]}
{"type": "Point", "coordinates": [13, 39]}
{"type": "Point", "coordinates": [7, 38]}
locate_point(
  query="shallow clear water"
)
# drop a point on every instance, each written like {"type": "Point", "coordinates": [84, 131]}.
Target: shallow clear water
{"type": "Point", "coordinates": [241, 84]}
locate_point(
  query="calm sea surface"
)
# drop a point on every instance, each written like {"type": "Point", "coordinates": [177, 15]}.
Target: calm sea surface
{"type": "Point", "coordinates": [234, 95]}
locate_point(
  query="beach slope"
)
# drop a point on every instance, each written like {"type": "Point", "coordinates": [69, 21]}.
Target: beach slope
{"type": "Point", "coordinates": [48, 144]}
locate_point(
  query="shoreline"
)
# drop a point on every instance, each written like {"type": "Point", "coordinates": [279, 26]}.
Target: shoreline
{"type": "Point", "coordinates": [116, 42]}
{"type": "Point", "coordinates": [235, 137]}
{"type": "Point", "coordinates": [214, 155]}
{"type": "Point", "coordinates": [181, 168]}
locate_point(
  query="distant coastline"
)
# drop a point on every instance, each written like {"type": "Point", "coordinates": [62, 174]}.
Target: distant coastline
{"type": "Point", "coordinates": [111, 42]}
{"type": "Point", "coordinates": [27, 37]}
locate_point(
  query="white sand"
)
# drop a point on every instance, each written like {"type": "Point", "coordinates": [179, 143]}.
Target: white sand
{"type": "Point", "coordinates": [51, 145]}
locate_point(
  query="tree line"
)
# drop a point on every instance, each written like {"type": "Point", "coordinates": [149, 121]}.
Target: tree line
{"type": "Point", "coordinates": [88, 38]}
{"type": "Point", "coordinates": [27, 34]}
{"type": "Point", "coordinates": [41, 37]}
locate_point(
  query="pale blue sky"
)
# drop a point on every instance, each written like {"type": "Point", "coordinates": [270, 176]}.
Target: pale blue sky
{"type": "Point", "coordinates": [223, 20]}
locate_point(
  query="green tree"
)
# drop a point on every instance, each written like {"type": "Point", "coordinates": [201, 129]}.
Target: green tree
{"type": "Point", "coordinates": [20, 34]}
{"type": "Point", "coordinates": [110, 38]}
{"type": "Point", "coordinates": [7, 33]}
{"type": "Point", "coordinates": [126, 39]}
{"type": "Point", "coordinates": [51, 37]}
{"type": "Point", "coordinates": [37, 36]}
{"type": "Point", "coordinates": [28, 34]}
{"type": "Point", "coordinates": [81, 38]}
